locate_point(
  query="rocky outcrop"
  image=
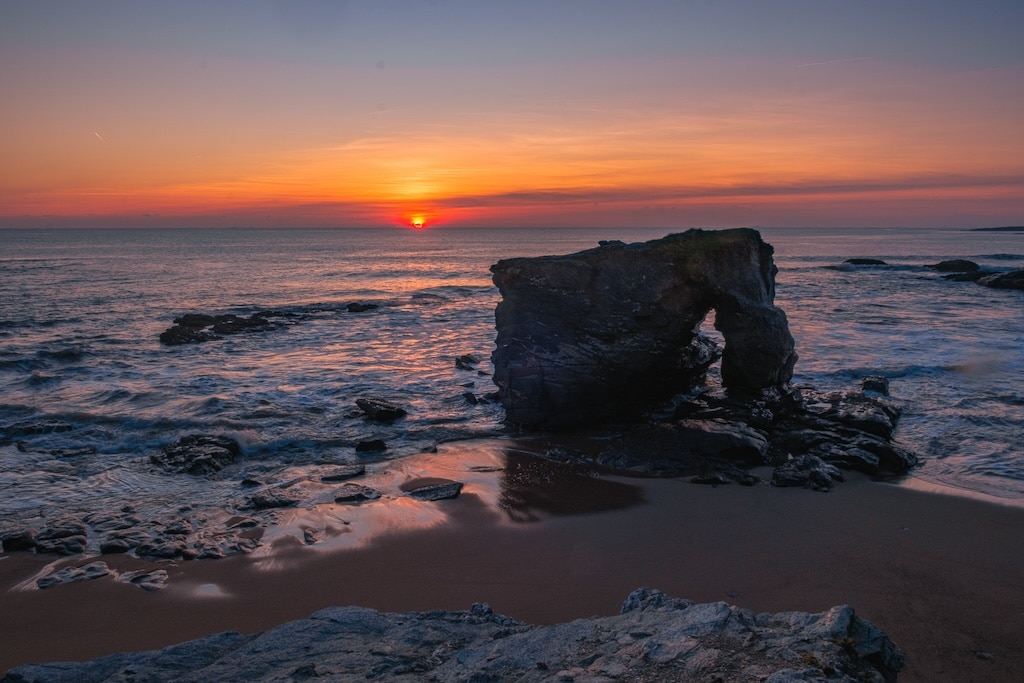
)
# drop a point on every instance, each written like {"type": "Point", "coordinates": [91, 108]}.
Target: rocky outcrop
{"type": "Point", "coordinates": [1011, 280]}
{"type": "Point", "coordinates": [606, 332]}
{"type": "Point", "coordinates": [655, 637]}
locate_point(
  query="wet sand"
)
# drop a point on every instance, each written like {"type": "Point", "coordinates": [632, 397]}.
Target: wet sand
{"type": "Point", "coordinates": [943, 576]}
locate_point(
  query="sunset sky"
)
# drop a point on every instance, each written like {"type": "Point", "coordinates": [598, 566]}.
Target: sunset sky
{"type": "Point", "coordinates": [483, 113]}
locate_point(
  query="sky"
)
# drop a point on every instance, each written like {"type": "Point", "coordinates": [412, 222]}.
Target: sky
{"type": "Point", "coordinates": [592, 113]}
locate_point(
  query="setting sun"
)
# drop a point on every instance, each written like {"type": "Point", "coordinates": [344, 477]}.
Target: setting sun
{"type": "Point", "coordinates": [417, 222]}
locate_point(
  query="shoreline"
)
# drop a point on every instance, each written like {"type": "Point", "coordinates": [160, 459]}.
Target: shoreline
{"type": "Point", "coordinates": [942, 575]}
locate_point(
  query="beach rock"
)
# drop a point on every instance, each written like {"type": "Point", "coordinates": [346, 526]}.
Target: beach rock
{"type": "Point", "coordinates": [272, 498]}
{"type": "Point", "coordinates": [22, 539]}
{"type": "Point", "coordinates": [655, 637]}
{"type": "Point", "coordinates": [93, 570]}
{"type": "Point", "coordinates": [955, 266]}
{"type": "Point", "coordinates": [379, 410]}
{"type": "Point", "coordinates": [875, 383]}
{"type": "Point", "coordinates": [607, 332]}
{"type": "Point", "coordinates": [146, 579]}
{"type": "Point", "coordinates": [1011, 280]}
{"type": "Point", "coordinates": [467, 361]}
{"type": "Point", "coordinates": [343, 472]}
{"type": "Point", "coordinates": [865, 262]}
{"type": "Point", "coordinates": [671, 448]}
{"type": "Point", "coordinates": [808, 471]}
{"type": "Point", "coordinates": [371, 446]}
{"type": "Point", "coordinates": [197, 454]}
{"type": "Point", "coordinates": [432, 489]}
{"type": "Point", "coordinates": [355, 493]}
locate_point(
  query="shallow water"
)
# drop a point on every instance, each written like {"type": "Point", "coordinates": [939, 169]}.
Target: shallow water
{"type": "Point", "coordinates": [81, 312]}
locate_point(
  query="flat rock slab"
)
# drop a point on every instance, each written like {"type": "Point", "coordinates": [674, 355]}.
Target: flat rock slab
{"type": "Point", "coordinates": [343, 473]}
{"type": "Point", "coordinates": [355, 493]}
{"type": "Point", "coordinates": [432, 488]}
{"type": "Point", "coordinates": [655, 637]}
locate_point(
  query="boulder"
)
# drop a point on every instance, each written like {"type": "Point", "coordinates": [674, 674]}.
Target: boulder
{"type": "Point", "coordinates": [1011, 280]}
{"type": "Point", "coordinates": [958, 265]}
{"type": "Point", "coordinates": [607, 332]}
{"type": "Point", "coordinates": [379, 410]}
{"type": "Point", "coordinates": [654, 637]}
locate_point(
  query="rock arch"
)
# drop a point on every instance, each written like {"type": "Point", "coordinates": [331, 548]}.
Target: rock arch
{"type": "Point", "coordinates": [606, 332]}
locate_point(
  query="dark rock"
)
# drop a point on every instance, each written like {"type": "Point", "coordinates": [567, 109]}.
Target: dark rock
{"type": "Point", "coordinates": [343, 472]}
{"type": "Point", "coordinates": [467, 361]}
{"type": "Point", "coordinates": [146, 579]}
{"type": "Point", "coordinates": [380, 410]}
{"type": "Point", "coordinates": [432, 489]}
{"type": "Point", "coordinates": [24, 539]}
{"type": "Point", "coordinates": [93, 570]}
{"type": "Point", "coordinates": [371, 446]}
{"type": "Point", "coordinates": [1011, 280]}
{"type": "Point", "coordinates": [180, 527]}
{"type": "Point", "coordinates": [272, 498]}
{"type": "Point", "coordinates": [161, 549]}
{"type": "Point", "coordinates": [875, 383]}
{"type": "Point", "coordinates": [972, 276]}
{"type": "Point", "coordinates": [725, 474]}
{"type": "Point", "coordinates": [865, 262]}
{"type": "Point", "coordinates": [355, 493]}
{"type": "Point", "coordinates": [193, 328]}
{"type": "Point", "coordinates": [470, 398]}
{"type": "Point", "coordinates": [198, 454]}
{"type": "Point", "coordinates": [608, 332]}
{"type": "Point", "coordinates": [177, 335]}
{"type": "Point", "coordinates": [808, 471]}
{"type": "Point", "coordinates": [115, 545]}
{"type": "Point", "coordinates": [66, 545]}
{"type": "Point", "coordinates": [655, 637]}
{"type": "Point", "coordinates": [685, 445]}
{"type": "Point", "coordinates": [358, 307]}
{"type": "Point", "coordinates": [955, 266]}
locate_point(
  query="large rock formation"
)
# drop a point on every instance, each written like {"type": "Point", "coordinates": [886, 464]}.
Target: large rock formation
{"type": "Point", "coordinates": [608, 331]}
{"type": "Point", "coordinates": [656, 637]}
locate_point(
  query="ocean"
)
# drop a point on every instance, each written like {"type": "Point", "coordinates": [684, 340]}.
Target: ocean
{"type": "Point", "coordinates": [88, 392]}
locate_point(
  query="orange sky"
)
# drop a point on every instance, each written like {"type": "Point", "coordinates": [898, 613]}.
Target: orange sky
{"type": "Point", "coordinates": [284, 121]}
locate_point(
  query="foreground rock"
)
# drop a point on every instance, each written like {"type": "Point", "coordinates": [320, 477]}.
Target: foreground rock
{"type": "Point", "coordinates": [654, 638]}
{"type": "Point", "coordinates": [609, 331]}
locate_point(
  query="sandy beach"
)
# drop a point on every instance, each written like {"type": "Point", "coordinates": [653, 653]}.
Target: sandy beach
{"type": "Point", "coordinates": [943, 576]}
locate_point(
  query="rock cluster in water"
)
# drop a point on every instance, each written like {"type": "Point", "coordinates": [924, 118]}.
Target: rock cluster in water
{"type": "Point", "coordinates": [655, 637]}
{"type": "Point", "coordinates": [608, 331]}
{"type": "Point", "coordinates": [604, 334]}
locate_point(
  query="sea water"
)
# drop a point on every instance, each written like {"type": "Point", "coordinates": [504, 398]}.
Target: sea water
{"type": "Point", "coordinates": [87, 391]}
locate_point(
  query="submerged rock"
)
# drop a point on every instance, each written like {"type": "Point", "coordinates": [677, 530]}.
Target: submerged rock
{"type": "Point", "coordinates": [607, 332]}
{"type": "Point", "coordinates": [655, 637]}
{"type": "Point", "coordinates": [379, 410]}
{"type": "Point", "coordinates": [197, 454]}
{"type": "Point", "coordinates": [432, 489]}
{"type": "Point", "coordinates": [955, 266]}
{"type": "Point", "coordinates": [1011, 280]}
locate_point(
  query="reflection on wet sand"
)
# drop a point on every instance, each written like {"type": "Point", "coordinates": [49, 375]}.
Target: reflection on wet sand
{"type": "Point", "coordinates": [532, 486]}
{"type": "Point", "coordinates": [509, 479]}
